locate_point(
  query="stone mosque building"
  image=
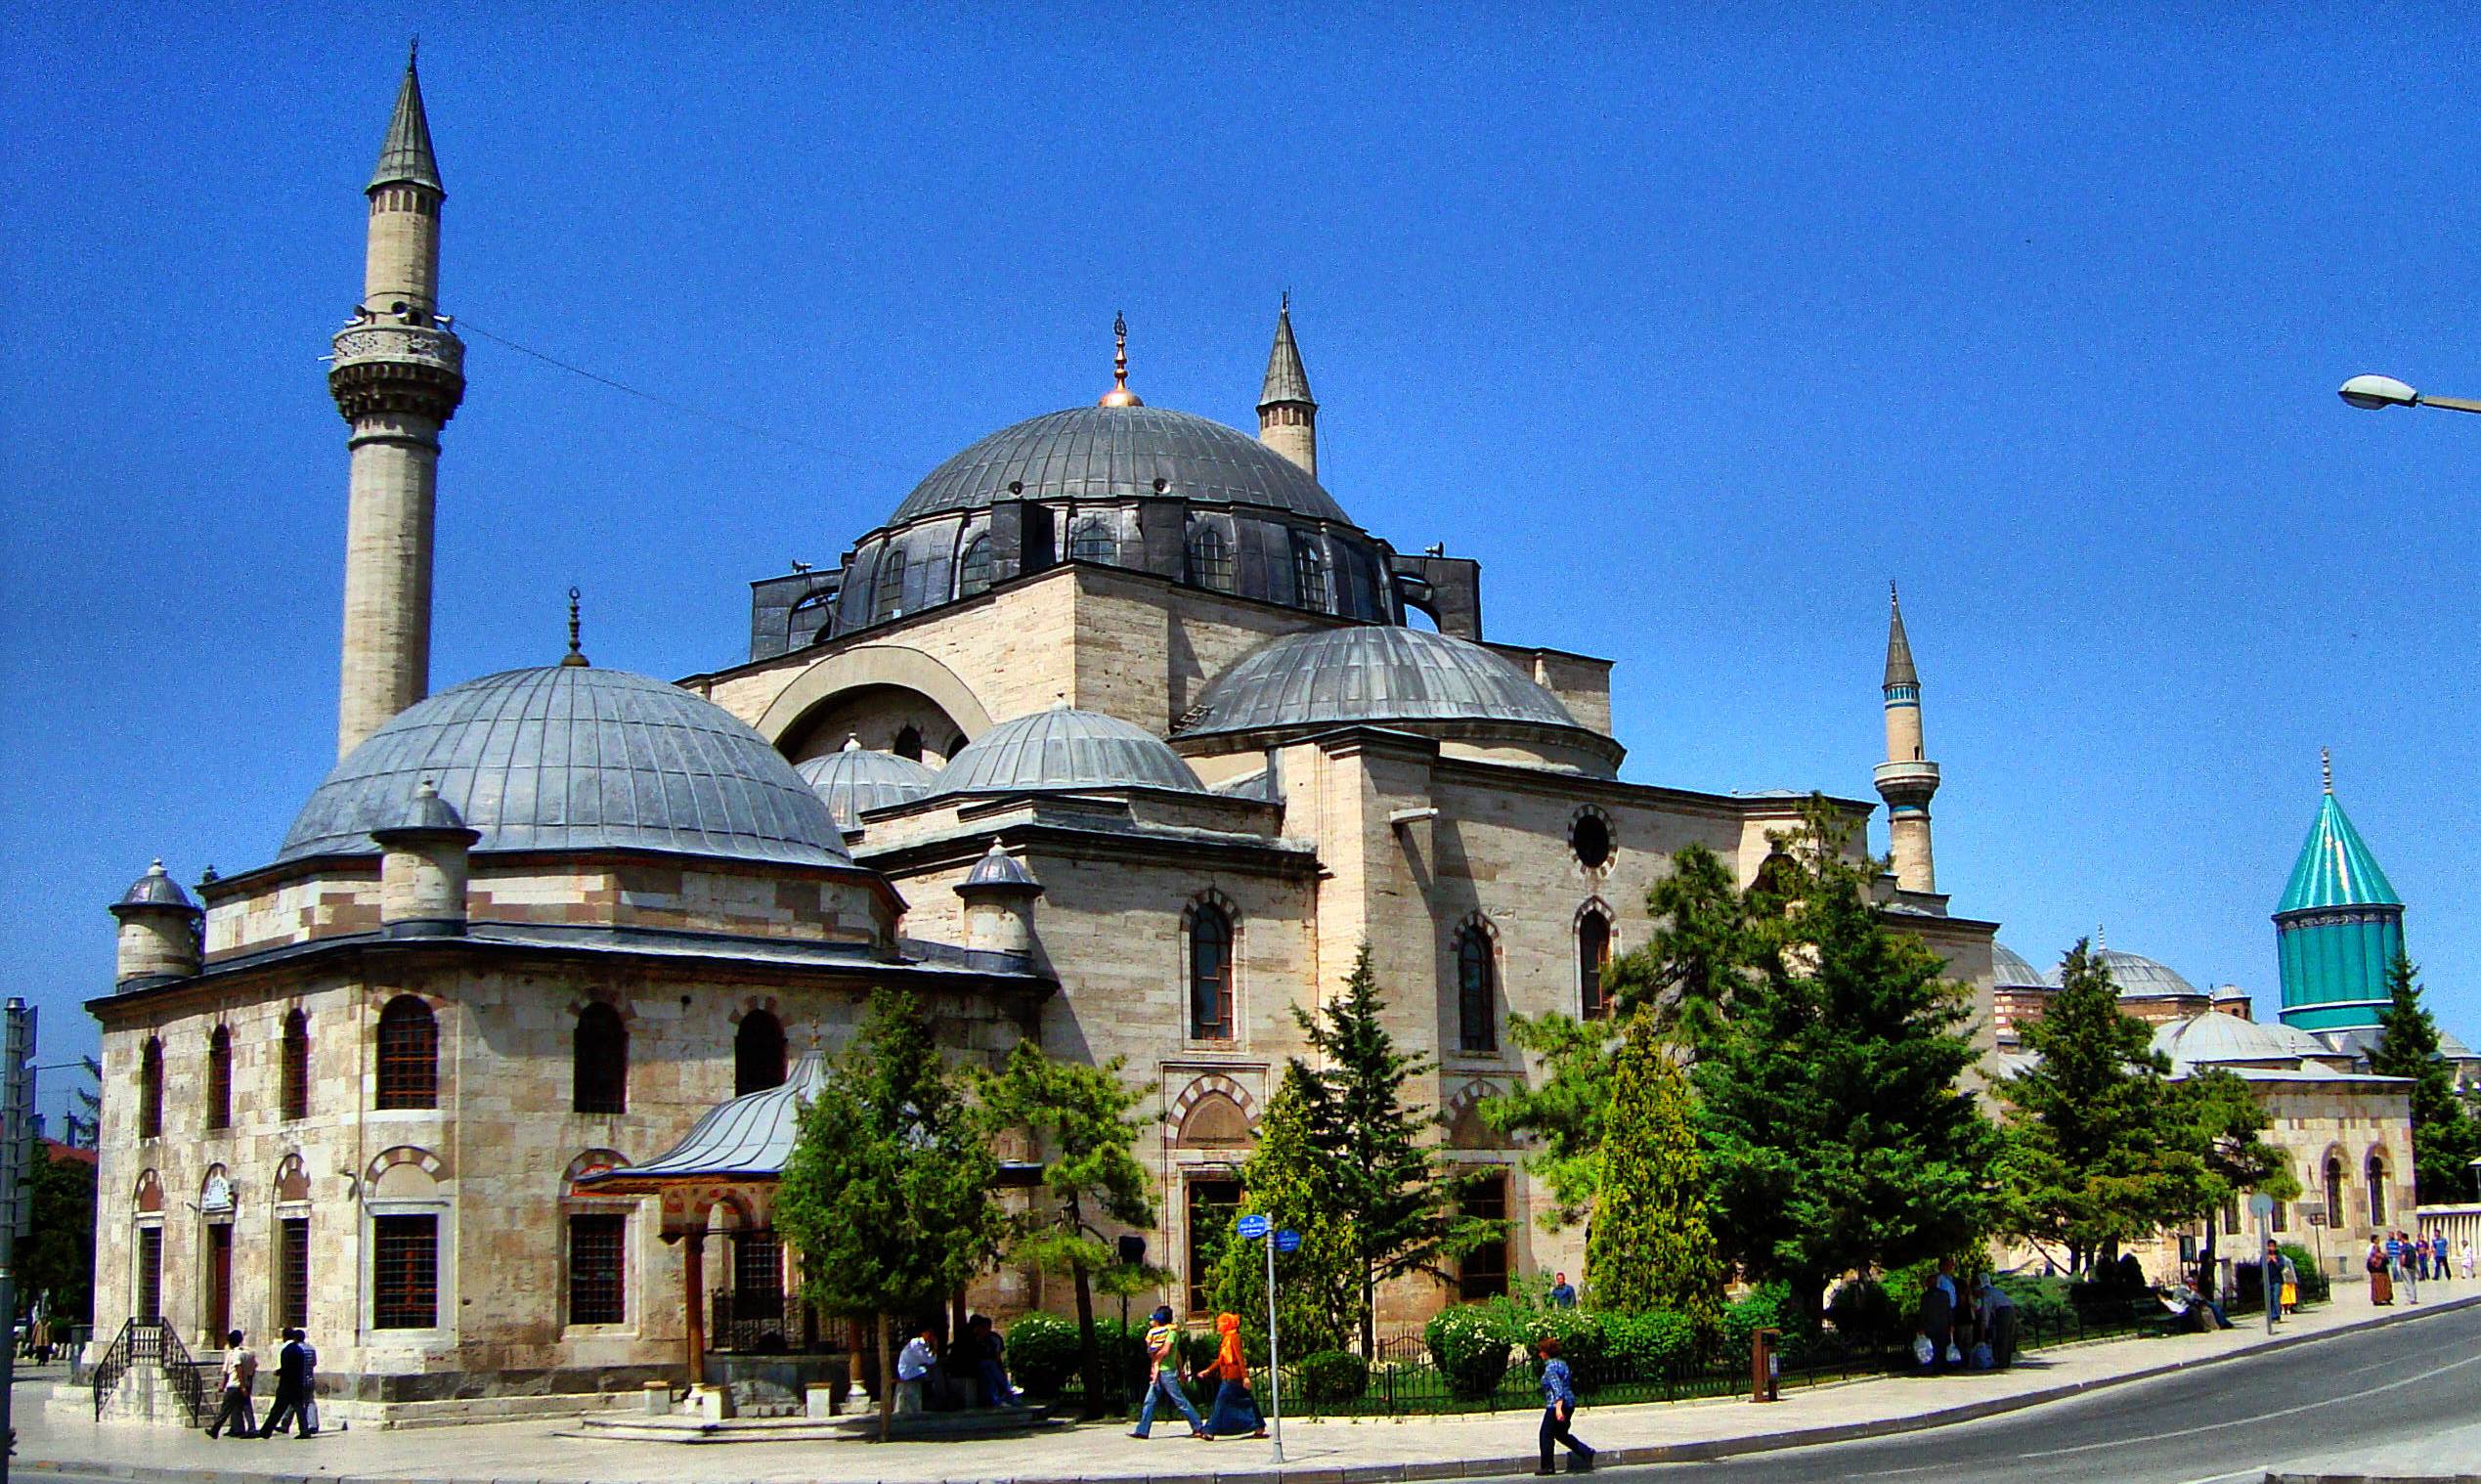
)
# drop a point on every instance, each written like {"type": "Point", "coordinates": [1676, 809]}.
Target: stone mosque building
{"type": "Point", "coordinates": [1116, 735]}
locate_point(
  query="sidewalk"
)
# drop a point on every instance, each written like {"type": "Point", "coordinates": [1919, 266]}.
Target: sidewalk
{"type": "Point", "coordinates": [1316, 1452]}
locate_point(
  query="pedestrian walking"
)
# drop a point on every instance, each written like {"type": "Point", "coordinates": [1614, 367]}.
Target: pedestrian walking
{"type": "Point", "coordinates": [1236, 1407]}
{"type": "Point", "coordinates": [1559, 1410]}
{"type": "Point", "coordinates": [2467, 1257]}
{"type": "Point", "coordinates": [2419, 1247]}
{"type": "Point", "coordinates": [2438, 1252]}
{"type": "Point", "coordinates": [2381, 1282]}
{"type": "Point", "coordinates": [292, 1401]}
{"type": "Point", "coordinates": [240, 1371]}
{"type": "Point", "coordinates": [1163, 1377]}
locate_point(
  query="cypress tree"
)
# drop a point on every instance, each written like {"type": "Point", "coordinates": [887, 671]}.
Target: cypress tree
{"type": "Point", "coordinates": [1650, 1246]}
{"type": "Point", "coordinates": [2445, 1139]}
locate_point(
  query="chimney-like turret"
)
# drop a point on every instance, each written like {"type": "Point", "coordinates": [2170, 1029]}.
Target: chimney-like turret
{"type": "Point", "coordinates": [423, 865]}
{"type": "Point", "coordinates": [159, 933]}
{"type": "Point", "coordinates": [999, 899]}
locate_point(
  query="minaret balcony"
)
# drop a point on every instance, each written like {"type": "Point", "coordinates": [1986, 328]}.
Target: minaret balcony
{"type": "Point", "coordinates": [395, 367]}
{"type": "Point", "coordinates": [1906, 782]}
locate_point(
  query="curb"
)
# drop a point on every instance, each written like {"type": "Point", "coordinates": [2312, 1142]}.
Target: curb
{"type": "Point", "coordinates": [1506, 1465]}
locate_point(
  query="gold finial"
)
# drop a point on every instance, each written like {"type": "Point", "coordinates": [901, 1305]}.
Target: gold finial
{"type": "Point", "coordinates": [575, 656]}
{"type": "Point", "coordinates": [2326, 768]}
{"type": "Point", "coordinates": [1119, 395]}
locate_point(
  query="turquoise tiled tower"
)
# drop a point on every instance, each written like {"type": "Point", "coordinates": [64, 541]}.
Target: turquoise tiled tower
{"type": "Point", "coordinates": [2339, 927]}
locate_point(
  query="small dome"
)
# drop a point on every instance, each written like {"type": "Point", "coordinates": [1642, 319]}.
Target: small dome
{"type": "Point", "coordinates": [156, 889]}
{"type": "Point", "coordinates": [1371, 673]}
{"type": "Point", "coordinates": [569, 757]}
{"type": "Point", "coordinates": [859, 779]}
{"type": "Point", "coordinates": [1117, 452]}
{"type": "Point", "coordinates": [998, 868]}
{"type": "Point", "coordinates": [426, 813]}
{"type": "Point", "coordinates": [2009, 970]}
{"type": "Point", "coordinates": [2139, 978]}
{"type": "Point", "coordinates": [1064, 749]}
{"type": "Point", "coordinates": [2214, 1037]}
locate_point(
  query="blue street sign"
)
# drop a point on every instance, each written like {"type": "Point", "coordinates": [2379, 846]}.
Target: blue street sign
{"type": "Point", "coordinates": [1254, 1227]}
{"type": "Point", "coordinates": [1288, 1241]}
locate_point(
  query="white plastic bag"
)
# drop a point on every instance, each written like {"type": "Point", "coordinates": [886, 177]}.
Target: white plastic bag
{"type": "Point", "coordinates": [1956, 1357]}
{"type": "Point", "coordinates": [1923, 1351]}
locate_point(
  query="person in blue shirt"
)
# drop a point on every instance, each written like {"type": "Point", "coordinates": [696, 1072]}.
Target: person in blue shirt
{"type": "Point", "coordinates": [1558, 1410]}
{"type": "Point", "coordinates": [1563, 1295]}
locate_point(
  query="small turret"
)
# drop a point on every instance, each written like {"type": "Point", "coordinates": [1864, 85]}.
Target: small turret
{"type": "Point", "coordinates": [1907, 779]}
{"type": "Point", "coordinates": [1288, 416]}
{"type": "Point", "coordinates": [999, 898]}
{"type": "Point", "coordinates": [159, 933]}
{"type": "Point", "coordinates": [423, 866]}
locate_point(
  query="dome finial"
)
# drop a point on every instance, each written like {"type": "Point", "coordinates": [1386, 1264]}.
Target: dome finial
{"type": "Point", "coordinates": [1119, 395]}
{"type": "Point", "coordinates": [2326, 768]}
{"type": "Point", "coordinates": [575, 656]}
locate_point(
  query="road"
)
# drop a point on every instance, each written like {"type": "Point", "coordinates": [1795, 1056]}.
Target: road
{"type": "Point", "coordinates": [2408, 1394]}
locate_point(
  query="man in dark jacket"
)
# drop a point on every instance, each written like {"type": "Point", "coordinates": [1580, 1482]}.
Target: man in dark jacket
{"type": "Point", "coordinates": [292, 1378]}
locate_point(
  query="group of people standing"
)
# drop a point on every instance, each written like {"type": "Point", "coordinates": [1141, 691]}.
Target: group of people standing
{"type": "Point", "coordinates": [1964, 1328]}
{"type": "Point", "coordinates": [2396, 1256]}
{"type": "Point", "coordinates": [928, 1377]}
{"type": "Point", "coordinates": [297, 1399]}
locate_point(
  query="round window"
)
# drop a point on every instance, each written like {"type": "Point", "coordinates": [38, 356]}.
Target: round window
{"type": "Point", "coordinates": [1591, 838]}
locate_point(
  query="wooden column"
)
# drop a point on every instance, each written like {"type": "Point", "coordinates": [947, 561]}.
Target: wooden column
{"type": "Point", "coordinates": [693, 1278]}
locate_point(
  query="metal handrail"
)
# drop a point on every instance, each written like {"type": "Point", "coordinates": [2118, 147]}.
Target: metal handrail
{"type": "Point", "coordinates": [152, 1339]}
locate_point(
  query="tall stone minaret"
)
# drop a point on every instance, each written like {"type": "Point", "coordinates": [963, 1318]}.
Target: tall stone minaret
{"type": "Point", "coordinates": [1288, 416]}
{"type": "Point", "coordinates": [398, 376]}
{"type": "Point", "coordinates": [1907, 779]}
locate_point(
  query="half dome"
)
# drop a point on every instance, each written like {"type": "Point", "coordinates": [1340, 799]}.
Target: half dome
{"type": "Point", "coordinates": [1117, 452]}
{"type": "Point", "coordinates": [859, 779]}
{"type": "Point", "coordinates": [572, 757]}
{"type": "Point", "coordinates": [1061, 750]}
{"type": "Point", "coordinates": [1371, 673]}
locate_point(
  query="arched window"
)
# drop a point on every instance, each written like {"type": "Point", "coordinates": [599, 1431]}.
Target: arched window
{"type": "Point", "coordinates": [598, 1080]}
{"type": "Point", "coordinates": [219, 1078]}
{"type": "Point", "coordinates": [757, 1054]}
{"type": "Point", "coordinates": [973, 569]}
{"type": "Point", "coordinates": [1209, 558]}
{"type": "Point", "coordinates": [2376, 1189]}
{"type": "Point", "coordinates": [294, 1058]}
{"type": "Point", "coordinates": [2334, 1192]}
{"type": "Point", "coordinates": [1477, 1020]}
{"type": "Point", "coordinates": [150, 1089]}
{"type": "Point", "coordinates": [1593, 951]}
{"type": "Point", "coordinates": [1210, 973]}
{"type": "Point", "coordinates": [887, 589]}
{"type": "Point", "coordinates": [408, 1055]}
{"type": "Point", "coordinates": [908, 743]}
{"type": "Point", "coordinates": [1092, 542]}
{"type": "Point", "coordinates": [1309, 571]}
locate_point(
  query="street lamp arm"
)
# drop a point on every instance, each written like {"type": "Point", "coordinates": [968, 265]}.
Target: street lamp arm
{"type": "Point", "coordinates": [2451, 404]}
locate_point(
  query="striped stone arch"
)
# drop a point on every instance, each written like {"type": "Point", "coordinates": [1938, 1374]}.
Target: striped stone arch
{"type": "Point", "coordinates": [148, 1196]}
{"type": "Point", "coordinates": [293, 1180]}
{"type": "Point", "coordinates": [588, 1163]}
{"type": "Point", "coordinates": [427, 1162]}
{"type": "Point", "coordinates": [620, 1003]}
{"type": "Point", "coordinates": [1213, 1112]}
{"type": "Point", "coordinates": [1463, 1117]}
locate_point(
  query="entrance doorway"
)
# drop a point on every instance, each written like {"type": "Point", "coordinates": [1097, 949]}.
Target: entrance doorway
{"type": "Point", "coordinates": [1212, 1200]}
{"type": "Point", "coordinates": [219, 1284]}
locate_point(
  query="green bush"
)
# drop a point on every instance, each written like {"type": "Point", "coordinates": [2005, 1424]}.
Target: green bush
{"type": "Point", "coordinates": [1469, 1350]}
{"type": "Point", "coordinates": [1198, 1348]}
{"type": "Point", "coordinates": [1767, 1306]}
{"type": "Point", "coordinates": [2315, 1286]}
{"type": "Point", "coordinates": [1581, 1342]}
{"type": "Point", "coordinates": [1042, 1352]}
{"type": "Point", "coordinates": [1332, 1377]}
{"type": "Point", "coordinates": [1648, 1346]}
{"type": "Point", "coordinates": [1865, 1314]}
{"type": "Point", "coordinates": [2042, 1304]}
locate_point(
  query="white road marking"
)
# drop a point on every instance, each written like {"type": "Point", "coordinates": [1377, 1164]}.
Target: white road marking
{"type": "Point", "coordinates": [2258, 1419]}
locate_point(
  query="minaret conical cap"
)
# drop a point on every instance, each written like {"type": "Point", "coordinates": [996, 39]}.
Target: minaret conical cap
{"type": "Point", "coordinates": [1286, 378]}
{"type": "Point", "coordinates": [405, 156]}
{"type": "Point", "coordinates": [1899, 671]}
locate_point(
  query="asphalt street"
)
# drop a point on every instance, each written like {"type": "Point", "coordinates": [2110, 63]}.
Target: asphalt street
{"type": "Point", "coordinates": [2412, 1389]}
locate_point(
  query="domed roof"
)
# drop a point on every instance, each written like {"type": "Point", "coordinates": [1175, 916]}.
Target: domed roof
{"type": "Point", "coordinates": [2140, 978]}
{"type": "Point", "coordinates": [2010, 970]}
{"type": "Point", "coordinates": [1117, 452]}
{"type": "Point", "coordinates": [1066, 749]}
{"type": "Point", "coordinates": [1371, 673]}
{"type": "Point", "coordinates": [156, 889]}
{"type": "Point", "coordinates": [859, 778]}
{"type": "Point", "coordinates": [2214, 1036]}
{"type": "Point", "coordinates": [568, 757]}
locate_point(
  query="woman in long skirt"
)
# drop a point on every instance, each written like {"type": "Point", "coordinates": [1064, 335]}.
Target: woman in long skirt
{"type": "Point", "coordinates": [1235, 1406]}
{"type": "Point", "coordinates": [2381, 1282]}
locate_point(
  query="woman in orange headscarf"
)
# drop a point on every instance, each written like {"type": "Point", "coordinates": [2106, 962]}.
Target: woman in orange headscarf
{"type": "Point", "coordinates": [1235, 1409]}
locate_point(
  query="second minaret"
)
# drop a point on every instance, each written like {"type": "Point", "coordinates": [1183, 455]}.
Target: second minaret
{"type": "Point", "coordinates": [398, 375]}
{"type": "Point", "coordinates": [1907, 779]}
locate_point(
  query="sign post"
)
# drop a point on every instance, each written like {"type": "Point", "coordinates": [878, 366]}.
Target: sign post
{"type": "Point", "coordinates": [1256, 1227]}
{"type": "Point", "coordinates": [2269, 1273]}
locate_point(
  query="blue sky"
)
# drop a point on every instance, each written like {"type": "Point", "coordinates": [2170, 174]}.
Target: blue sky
{"type": "Point", "coordinates": [1695, 330]}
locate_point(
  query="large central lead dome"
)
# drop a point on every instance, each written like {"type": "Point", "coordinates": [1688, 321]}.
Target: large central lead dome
{"type": "Point", "coordinates": [1118, 452]}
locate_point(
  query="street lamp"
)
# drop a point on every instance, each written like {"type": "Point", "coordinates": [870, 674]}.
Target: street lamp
{"type": "Point", "coordinates": [2375, 392]}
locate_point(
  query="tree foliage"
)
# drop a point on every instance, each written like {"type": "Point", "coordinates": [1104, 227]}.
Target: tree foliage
{"type": "Point", "coordinates": [888, 1191]}
{"type": "Point", "coordinates": [2445, 1138]}
{"type": "Point", "coordinates": [1650, 1246]}
{"type": "Point", "coordinates": [1318, 1288]}
{"type": "Point", "coordinates": [56, 1258]}
{"type": "Point", "coordinates": [1563, 1113]}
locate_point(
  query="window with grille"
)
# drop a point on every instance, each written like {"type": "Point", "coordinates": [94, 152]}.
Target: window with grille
{"type": "Point", "coordinates": [1482, 1273]}
{"type": "Point", "coordinates": [219, 1079]}
{"type": "Point", "coordinates": [408, 1055]}
{"type": "Point", "coordinates": [1308, 572]}
{"type": "Point", "coordinates": [599, 1056]}
{"type": "Point", "coordinates": [150, 1090]}
{"type": "Point", "coordinates": [1093, 542]}
{"type": "Point", "coordinates": [2279, 1220]}
{"type": "Point", "coordinates": [149, 1304]}
{"type": "Point", "coordinates": [973, 569]}
{"type": "Point", "coordinates": [1209, 558]}
{"type": "Point", "coordinates": [2376, 1191]}
{"type": "Point", "coordinates": [599, 1279]}
{"type": "Point", "coordinates": [757, 1054]}
{"type": "Point", "coordinates": [405, 1272]}
{"type": "Point", "coordinates": [294, 1055]}
{"type": "Point", "coordinates": [887, 589]}
{"type": "Point", "coordinates": [1477, 1026]}
{"type": "Point", "coordinates": [1594, 953]}
{"type": "Point", "coordinates": [1209, 973]}
{"type": "Point", "coordinates": [757, 1265]}
{"type": "Point", "coordinates": [292, 1272]}
{"type": "Point", "coordinates": [2230, 1217]}
{"type": "Point", "coordinates": [2334, 1193]}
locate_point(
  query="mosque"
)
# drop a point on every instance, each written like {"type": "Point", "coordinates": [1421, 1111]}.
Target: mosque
{"type": "Point", "coordinates": [1118, 735]}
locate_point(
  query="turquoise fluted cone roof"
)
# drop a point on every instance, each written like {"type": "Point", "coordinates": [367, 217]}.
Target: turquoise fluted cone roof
{"type": "Point", "coordinates": [2335, 868]}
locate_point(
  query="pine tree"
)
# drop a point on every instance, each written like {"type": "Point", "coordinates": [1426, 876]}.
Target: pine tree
{"type": "Point", "coordinates": [1836, 1133]}
{"type": "Point", "coordinates": [2445, 1138]}
{"type": "Point", "coordinates": [887, 1193]}
{"type": "Point", "coordinates": [1318, 1288]}
{"type": "Point", "coordinates": [1382, 1170]}
{"type": "Point", "coordinates": [1700, 951]}
{"type": "Point", "coordinates": [1080, 1119]}
{"type": "Point", "coordinates": [2216, 1151]}
{"type": "Point", "coordinates": [1650, 1246]}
